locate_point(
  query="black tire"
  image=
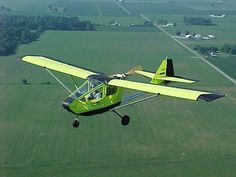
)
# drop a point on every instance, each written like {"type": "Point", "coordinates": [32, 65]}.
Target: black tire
{"type": "Point", "coordinates": [76, 123]}
{"type": "Point", "coordinates": [125, 120]}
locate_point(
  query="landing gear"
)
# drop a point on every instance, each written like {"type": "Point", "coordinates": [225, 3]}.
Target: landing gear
{"type": "Point", "coordinates": [124, 119]}
{"type": "Point", "coordinates": [76, 123]}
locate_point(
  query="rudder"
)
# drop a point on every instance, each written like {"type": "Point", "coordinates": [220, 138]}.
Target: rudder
{"type": "Point", "coordinates": [165, 69]}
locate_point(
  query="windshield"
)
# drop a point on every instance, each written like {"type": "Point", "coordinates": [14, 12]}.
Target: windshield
{"type": "Point", "coordinates": [86, 87]}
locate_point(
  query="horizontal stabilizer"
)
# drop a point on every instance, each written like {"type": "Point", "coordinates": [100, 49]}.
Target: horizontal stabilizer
{"type": "Point", "coordinates": [145, 73]}
{"type": "Point", "coordinates": [165, 78]}
{"type": "Point", "coordinates": [177, 79]}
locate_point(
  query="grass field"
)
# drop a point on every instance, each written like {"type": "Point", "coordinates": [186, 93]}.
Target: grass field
{"type": "Point", "coordinates": [166, 136]}
{"type": "Point", "coordinates": [37, 133]}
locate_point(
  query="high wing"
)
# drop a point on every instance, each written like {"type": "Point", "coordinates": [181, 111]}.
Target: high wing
{"type": "Point", "coordinates": [58, 66]}
{"type": "Point", "coordinates": [168, 91]}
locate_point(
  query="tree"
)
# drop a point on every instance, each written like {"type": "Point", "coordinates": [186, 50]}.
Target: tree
{"type": "Point", "coordinates": [233, 50]}
{"type": "Point", "coordinates": [186, 33]}
{"type": "Point", "coordinates": [21, 29]}
{"type": "Point", "coordinates": [226, 48]}
{"type": "Point", "coordinates": [178, 33]}
{"type": "Point", "coordinates": [24, 81]}
{"type": "Point", "coordinates": [148, 23]}
{"type": "Point", "coordinates": [162, 22]}
{"type": "Point", "coordinates": [206, 50]}
{"type": "Point", "coordinates": [50, 7]}
{"type": "Point", "coordinates": [197, 21]}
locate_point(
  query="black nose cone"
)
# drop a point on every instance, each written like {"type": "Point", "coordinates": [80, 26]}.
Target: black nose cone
{"type": "Point", "coordinates": [66, 103]}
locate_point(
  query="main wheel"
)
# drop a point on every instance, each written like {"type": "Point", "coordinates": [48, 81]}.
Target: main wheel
{"type": "Point", "coordinates": [76, 123]}
{"type": "Point", "coordinates": [125, 120]}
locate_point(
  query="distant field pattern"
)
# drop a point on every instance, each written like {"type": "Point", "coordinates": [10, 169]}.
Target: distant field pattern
{"type": "Point", "coordinates": [166, 137]}
{"type": "Point", "coordinates": [90, 8]}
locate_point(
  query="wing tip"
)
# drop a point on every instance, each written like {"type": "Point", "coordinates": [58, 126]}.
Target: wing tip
{"type": "Point", "coordinates": [20, 58]}
{"type": "Point", "coordinates": [23, 58]}
{"type": "Point", "coordinates": [210, 97]}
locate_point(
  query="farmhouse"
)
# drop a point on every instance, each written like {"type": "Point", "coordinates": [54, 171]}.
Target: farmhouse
{"type": "Point", "coordinates": [211, 36]}
{"type": "Point", "coordinates": [113, 23]}
{"type": "Point", "coordinates": [217, 16]}
{"type": "Point", "coordinates": [121, 1]}
{"type": "Point", "coordinates": [213, 54]}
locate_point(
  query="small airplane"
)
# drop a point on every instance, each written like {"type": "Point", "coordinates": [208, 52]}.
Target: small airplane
{"type": "Point", "coordinates": [101, 93]}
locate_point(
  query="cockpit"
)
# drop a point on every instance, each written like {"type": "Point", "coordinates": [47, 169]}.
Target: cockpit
{"type": "Point", "coordinates": [94, 93]}
{"type": "Point", "coordinates": [91, 89]}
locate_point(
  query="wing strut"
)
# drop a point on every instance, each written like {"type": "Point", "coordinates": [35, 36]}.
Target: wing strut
{"type": "Point", "coordinates": [134, 102]}
{"type": "Point", "coordinates": [58, 80]}
{"type": "Point", "coordinates": [74, 82]}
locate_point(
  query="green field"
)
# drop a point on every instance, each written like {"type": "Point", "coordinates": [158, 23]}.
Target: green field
{"type": "Point", "coordinates": [166, 136]}
{"type": "Point", "coordinates": [223, 30]}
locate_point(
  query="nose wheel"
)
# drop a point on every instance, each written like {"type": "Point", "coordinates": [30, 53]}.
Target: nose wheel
{"type": "Point", "coordinates": [124, 119]}
{"type": "Point", "coordinates": [76, 123]}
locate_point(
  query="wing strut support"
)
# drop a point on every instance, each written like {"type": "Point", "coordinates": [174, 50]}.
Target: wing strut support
{"type": "Point", "coordinates": [74, 82]}
{"type": "Point", "coordinates": [134, 102]}
{"type": "Point", "coordinates": [58, 80]}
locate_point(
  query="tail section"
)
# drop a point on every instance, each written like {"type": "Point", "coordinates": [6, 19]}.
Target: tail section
{"type": "Point", "coordinates": [166, 69]}
{"type": "Point", "coordinates": [164, 74]}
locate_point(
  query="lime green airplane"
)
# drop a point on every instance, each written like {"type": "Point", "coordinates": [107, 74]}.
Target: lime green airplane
{"type": "Point", "coordinates": [101, 93]}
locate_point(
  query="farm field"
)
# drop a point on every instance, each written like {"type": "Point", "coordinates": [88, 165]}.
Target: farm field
{"type": "Point", "coordinates": [166, 136]}
{"type": "Point", "coordinates": [223, 31]}
{"type": "Point", "coordinates": [37, 133]}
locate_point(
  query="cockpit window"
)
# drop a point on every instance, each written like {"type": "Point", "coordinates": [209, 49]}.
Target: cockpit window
{"type": "Point", "coordinates": [86, 87]}
{"type": "Point", "coordinates": [93, 84]}
{"type": "Point", "coordinates": [81, 90]}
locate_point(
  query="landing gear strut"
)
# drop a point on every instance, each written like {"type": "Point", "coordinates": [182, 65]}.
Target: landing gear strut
{"type": "Point", "coordinates": [76, 123]}
{"type": "Point", "coordinates": [124, 119]}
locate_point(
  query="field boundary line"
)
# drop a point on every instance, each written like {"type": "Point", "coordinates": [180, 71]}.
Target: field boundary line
{"type": "Point", "coordinates": [191, 50]}
{"type": "Point", "coordinates": [126, 10]}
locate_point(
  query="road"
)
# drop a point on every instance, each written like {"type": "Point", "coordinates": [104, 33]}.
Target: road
{"type": "Point", "coordinates": [182, 44]}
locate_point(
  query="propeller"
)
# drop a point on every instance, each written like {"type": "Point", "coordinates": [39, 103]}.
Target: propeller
{"type": "Point", "coordinates": [130, 72]}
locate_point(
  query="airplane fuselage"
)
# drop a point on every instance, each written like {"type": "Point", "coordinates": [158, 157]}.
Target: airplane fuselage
{"type": "Point", "coordinates": [88, 100]}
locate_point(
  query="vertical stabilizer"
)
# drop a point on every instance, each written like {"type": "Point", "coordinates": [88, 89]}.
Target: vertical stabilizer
{"type": "Point", "coordinates": [165, 69]}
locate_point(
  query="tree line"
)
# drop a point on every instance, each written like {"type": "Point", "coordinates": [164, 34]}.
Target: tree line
{"type": "Point", "coordinates": [19, 29]}
{"type": "Point", "coordinates": [206, 50]}
{"type": "Point", "coordinates": [230, 49]}
{"type": "Point", "coordinates": [197, 21]}
{"type": "Point", "coordinates": [226, 48]}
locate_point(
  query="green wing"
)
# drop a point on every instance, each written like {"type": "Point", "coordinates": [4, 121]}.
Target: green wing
{"type": "Point", "coordinates": [168, 91]}
{"type": "Point", "coordinates": [58, 66]}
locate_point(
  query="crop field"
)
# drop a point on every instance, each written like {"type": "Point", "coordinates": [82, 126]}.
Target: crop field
{"type": "Point", "coordinates": [166, 136]}
{"type": "Point", "coordinates": [223, 30]}
{"type": "Point", "coordinates": [85, 8]}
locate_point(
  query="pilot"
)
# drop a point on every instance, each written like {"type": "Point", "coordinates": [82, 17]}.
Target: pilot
{"type": "Point", "coordinates": [96, 94]}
